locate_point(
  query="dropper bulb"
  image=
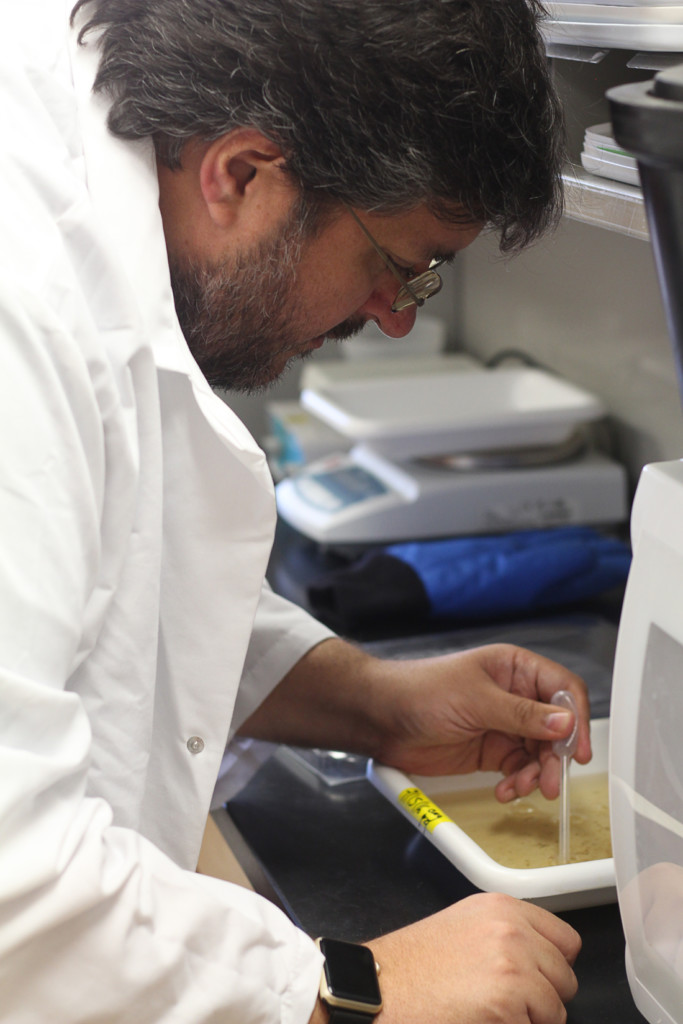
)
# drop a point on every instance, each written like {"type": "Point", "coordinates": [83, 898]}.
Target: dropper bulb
{"type": "Point", "coordinates": [567, 746]}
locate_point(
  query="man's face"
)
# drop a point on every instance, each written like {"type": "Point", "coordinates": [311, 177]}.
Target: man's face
{"type": "Point", "coordinates": [249, 315]}
{"type": "Point", "coordinates": [241, 316]}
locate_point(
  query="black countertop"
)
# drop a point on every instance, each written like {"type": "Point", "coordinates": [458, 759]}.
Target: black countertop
{"type": "Point", "coordinates": [341, 860]}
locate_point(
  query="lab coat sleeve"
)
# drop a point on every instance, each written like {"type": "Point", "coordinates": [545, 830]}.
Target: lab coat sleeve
{"type": "Point", "coordinates": [96, 924]}
{"type": "Point", "coordinates": [282, 634]}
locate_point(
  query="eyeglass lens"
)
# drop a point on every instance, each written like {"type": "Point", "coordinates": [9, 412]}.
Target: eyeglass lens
{"type": "Point", "coordinates": [413, 291]}
{"type": "Point", "coordinates": [421, 287]}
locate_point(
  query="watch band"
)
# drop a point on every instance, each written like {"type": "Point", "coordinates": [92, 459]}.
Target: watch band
{"type": "Point", "coordinates": [338, 1015]}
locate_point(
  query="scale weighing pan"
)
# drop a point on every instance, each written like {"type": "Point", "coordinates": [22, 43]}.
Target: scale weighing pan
{"type": "Point", "coordinates": [404, 418]}
{"type": "Point", "coordinates": [558, 887]}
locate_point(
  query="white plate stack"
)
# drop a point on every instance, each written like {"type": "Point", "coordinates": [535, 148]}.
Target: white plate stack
{"type": "Point", "coordinates": [652, 25]}
{"type": "Point", "coordinates": [610, 4]}
{"type": "Point", "coordinates": [602, 156]}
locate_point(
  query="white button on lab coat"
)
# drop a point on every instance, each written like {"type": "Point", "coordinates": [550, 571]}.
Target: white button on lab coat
{"type": "Point", "coordinates": [136, 517]}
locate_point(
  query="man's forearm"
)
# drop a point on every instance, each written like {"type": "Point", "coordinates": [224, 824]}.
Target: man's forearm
{"type": "Point", "coordinates": [487, 708]}
{"type": "Point", "coordinates": [330, 698]}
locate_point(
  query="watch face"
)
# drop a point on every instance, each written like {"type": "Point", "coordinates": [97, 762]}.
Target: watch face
{"type": "Point", "coordinates": [350, 973]}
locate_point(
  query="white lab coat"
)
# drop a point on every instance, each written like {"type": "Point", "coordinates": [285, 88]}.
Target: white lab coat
{"type": "Point", "coordinates": [136, 517]}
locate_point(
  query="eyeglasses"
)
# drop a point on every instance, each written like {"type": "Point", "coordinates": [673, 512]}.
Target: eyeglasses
{"type": "Point", "coordinates": [414, 290]}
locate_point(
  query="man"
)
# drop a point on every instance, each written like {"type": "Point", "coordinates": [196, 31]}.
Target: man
{"type": "Point", "coordinates": [288, 159]}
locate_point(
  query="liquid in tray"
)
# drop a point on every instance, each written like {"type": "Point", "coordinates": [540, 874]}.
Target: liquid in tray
{"type": "Point", "coordinates": [524, 833]}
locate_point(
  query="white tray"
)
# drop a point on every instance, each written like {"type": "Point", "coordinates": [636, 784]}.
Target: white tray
{"type": "Point", "coordinates": [622, 3]}
{"type": "Point", "coordinates": [654, 27]}
{"type": "Point", "coordinates": [657, 14]}
{"type": "Point", "coordinates": [613, 156]}
{"type": "Point", "coordinates": [612, 169]}
{"type": "Point", "coordinates": [432, 414]}
{"type": "Point", "coordinates": [560, 887]}
{"type": "Point", "coordinates": [602, 135]}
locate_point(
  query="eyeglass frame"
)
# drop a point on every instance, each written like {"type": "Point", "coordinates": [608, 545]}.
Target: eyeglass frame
{"type": "Point", "coordinates": [427, 279]}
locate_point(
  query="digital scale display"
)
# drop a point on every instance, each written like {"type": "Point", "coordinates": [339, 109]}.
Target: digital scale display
{"type": "Point", "coordinates": [334, 490]}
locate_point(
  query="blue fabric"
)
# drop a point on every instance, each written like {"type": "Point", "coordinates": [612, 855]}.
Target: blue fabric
{"type": "Point", "coordinates": [516, 571]}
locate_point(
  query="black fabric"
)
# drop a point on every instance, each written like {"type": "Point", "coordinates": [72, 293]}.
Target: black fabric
{"type": "Point", "coordinates": [378, 587]}
{"type": "Point", "coordinates": [338, 1016]}
{"type": "Point", "coordinates": [470, 579]}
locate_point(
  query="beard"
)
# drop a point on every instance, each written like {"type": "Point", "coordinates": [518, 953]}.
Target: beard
{"type": "Point", "coordinates": [240, 316]}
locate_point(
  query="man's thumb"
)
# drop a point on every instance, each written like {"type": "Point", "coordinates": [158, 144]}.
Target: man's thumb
{"type": "Point", "coordinates": [532, 719]}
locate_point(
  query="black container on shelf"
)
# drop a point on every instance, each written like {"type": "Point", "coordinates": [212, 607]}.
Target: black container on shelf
{"type": "Point", "coordinates": [648, 122]}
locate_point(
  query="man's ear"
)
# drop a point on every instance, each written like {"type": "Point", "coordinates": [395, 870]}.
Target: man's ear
{"type": "Point", "coordinates": [240, 170]}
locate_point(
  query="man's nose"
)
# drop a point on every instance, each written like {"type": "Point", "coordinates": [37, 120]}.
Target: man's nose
{"type": "Point", "coordinates": [378, 308]}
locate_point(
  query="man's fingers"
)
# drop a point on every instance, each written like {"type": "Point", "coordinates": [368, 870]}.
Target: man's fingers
{"type": "Point", "coordinates": [519, 783]}
{"type": "Point", "coordinates": [557, 931]}
{"type": "Point", "coordinates": [532, 680]}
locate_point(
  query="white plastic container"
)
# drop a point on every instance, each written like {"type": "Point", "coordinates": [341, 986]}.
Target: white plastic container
{"type": "Point", "coordinates": [559, 887]}
{"type": "Point", "coordinates": [646, 755]}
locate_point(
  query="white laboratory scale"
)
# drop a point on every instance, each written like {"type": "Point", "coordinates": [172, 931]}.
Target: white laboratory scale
{"type": "Point", "coordinates": [456, 451]}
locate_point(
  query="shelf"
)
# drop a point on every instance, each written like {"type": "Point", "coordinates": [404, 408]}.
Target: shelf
{"type": "Point", "coordinates": [604, 203]}
{"type": "Point", "coordinates": [622, 26]}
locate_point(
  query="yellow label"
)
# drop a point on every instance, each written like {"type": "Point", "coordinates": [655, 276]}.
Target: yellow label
{"type": "Point", "coordinates": [422, 808]}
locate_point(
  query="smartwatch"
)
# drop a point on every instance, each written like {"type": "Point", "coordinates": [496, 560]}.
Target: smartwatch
{"type": "Point", "coordinates": [349, 986]}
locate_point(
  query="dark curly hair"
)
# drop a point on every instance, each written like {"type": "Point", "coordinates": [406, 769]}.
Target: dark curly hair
{"type": "Point", "coordinates": [384, 104]}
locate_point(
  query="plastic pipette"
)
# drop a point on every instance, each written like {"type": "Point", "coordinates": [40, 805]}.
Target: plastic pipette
{"type": "Point", "coordinates": [565, 749]}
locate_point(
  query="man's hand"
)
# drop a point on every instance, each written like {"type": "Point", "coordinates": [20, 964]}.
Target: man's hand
{"type": "Point", "coordinates": [489, 959]}
{"type": "Point", "coordinates": [484, 709]}
{"type": "Point", "coordinates": [487, 708]}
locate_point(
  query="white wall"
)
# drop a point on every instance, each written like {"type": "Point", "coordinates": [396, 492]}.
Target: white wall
{"type": "Point", "coordinates": [586, 304]}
